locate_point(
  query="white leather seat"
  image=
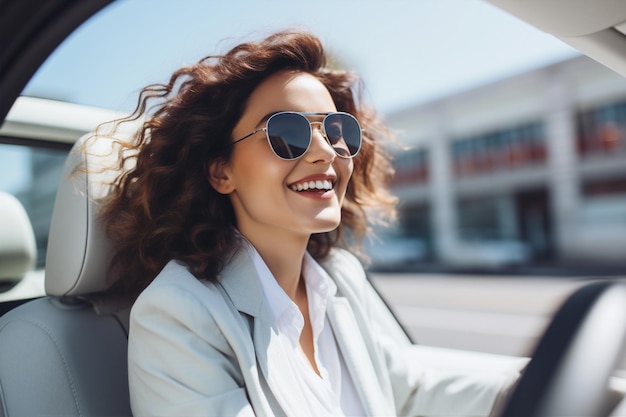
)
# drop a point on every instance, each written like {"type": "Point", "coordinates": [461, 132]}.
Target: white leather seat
{"type": "Point", "coordinates": [65, 354]}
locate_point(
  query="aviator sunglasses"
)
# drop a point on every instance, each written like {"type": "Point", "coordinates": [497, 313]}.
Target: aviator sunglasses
{"type": "Point", "coordinates": [289, 133]}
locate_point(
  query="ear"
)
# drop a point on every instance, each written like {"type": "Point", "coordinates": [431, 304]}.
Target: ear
{"type": "Point", "coordinates": [219, 178]}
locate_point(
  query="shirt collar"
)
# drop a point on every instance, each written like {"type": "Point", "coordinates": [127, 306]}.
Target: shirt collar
{"type": "Point", "coordinates": [279, 301]}
{"type": "Point", "coordinates": [318, 282]}
{"type": "Point", "coordinates": [320, 288]}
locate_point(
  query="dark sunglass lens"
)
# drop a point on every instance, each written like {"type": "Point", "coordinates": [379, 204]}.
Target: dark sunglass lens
{"type": "Point", "coordinates": [344, 133]}
{"type": "Point", "coordinates": [289, 134]}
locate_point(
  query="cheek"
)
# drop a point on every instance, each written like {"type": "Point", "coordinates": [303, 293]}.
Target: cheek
{"type": "Point", "coordinates": [259, 168]}
{"type": "Point", "coordinates": [345, 169]}
{"type": "Point", "coordinates": [350, 168]}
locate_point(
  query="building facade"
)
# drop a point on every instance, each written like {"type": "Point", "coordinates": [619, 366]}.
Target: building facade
{"type": "Point", "coordinates": [531, 168]}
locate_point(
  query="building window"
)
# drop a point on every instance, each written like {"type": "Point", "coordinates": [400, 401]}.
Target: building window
{"type": "Point", "coordinates": [415, 221]}
{"type": "Point", "coordinates": [602, 130]}
{"type": "Point", "coordinates": [411, 167]}
{"type": "Point", "coordinates": [499, 150]}
{"type": "Point", "coordinates": [605, 187]}
{"type": "Point", "coordinates": [478, 219]}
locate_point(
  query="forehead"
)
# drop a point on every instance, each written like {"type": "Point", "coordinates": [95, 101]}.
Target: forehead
{"type": "Point", "coordinates": [294, 91]}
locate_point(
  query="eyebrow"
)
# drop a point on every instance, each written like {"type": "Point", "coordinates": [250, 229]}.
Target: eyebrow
{"type": "Point", "coordinates": [268, 115]}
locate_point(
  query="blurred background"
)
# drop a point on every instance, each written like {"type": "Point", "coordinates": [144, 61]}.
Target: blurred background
{"type": "Point", "coordinates": [525, 173]}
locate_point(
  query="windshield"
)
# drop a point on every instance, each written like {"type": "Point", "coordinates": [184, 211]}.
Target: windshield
{"type": "Point", "coordinates": [407, 51]}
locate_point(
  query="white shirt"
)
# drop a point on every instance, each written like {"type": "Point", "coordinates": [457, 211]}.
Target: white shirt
{"type": "Point", "coordinates": [331, 393]}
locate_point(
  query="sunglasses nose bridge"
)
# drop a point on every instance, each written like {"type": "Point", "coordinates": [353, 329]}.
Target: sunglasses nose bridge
{"type": "Point", "coordinates": [318, 128]}
{"type": "Point", "coordinates": [319, 124]}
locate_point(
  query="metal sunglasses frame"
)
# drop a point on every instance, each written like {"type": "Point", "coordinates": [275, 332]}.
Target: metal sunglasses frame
{"type": "Point", "coordinates": [323, 129]}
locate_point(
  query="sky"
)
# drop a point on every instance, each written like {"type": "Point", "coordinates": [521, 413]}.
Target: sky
{"type": "Point", "coordinates": [406, 51]}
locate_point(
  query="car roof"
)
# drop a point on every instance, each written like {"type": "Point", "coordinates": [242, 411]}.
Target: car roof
{"type": "Point", "coordinates": [596, 28]}
{"type": "Point", "coordinates": [29, 31]}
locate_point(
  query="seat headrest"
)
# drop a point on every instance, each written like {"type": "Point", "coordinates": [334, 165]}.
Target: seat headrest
{"type": "Point", "coordinates": [78, 250]}
{"type": "Point", "coordinates": [18, 249]}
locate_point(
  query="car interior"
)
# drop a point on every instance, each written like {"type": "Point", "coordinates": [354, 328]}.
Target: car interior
{"type": "Point", "coordinates": [67, 349]}
{"type": "Point", "coordinates": [65, 353]}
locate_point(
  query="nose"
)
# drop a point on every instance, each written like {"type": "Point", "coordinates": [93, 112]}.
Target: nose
{"type": "Point", "coordinates": [320, 148]}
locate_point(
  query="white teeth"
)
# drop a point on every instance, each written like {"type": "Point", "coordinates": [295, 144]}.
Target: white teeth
{"type": "Point", "coordinates": [313, 185]}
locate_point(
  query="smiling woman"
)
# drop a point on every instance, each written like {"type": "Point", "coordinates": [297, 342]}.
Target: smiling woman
{"type": "Point", "coordinates": [233, 249]}
{"type": "Point", "coordinates": [190, 141]}
{"type": "Point", "coordinates": [279, 317]}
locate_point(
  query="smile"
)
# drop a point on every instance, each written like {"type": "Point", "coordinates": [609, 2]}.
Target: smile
{"type": "Point", "coordinates": [322, 185]}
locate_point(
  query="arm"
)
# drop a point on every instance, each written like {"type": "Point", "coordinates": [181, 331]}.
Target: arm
{"type": "Point", "coordinates": [425, 381]}
{"type": "Point", "coordinates": [434, 381]}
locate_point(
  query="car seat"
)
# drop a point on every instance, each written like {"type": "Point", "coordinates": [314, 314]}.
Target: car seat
{"type": "Point", "coordinates": [65, 353]}
{"type": "Point", "coordinates": [19, 280]}
{"type": "Point", "coordinates": [18, 249]}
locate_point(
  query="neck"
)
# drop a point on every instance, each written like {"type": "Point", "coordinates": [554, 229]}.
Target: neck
{"type": "Point", "coordinates": [283, 256]}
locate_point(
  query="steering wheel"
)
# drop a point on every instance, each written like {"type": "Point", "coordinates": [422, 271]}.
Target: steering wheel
{"type": "Point", "coordinates": [569, 372]}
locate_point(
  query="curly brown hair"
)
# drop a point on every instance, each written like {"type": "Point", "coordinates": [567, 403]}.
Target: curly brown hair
{"type": "Point", "coordinates": [164, 208]}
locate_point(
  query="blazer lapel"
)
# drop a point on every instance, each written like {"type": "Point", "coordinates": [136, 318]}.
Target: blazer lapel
{"type": "Point", "coordinates": [242, 285]}
{"type": "Point", "coordinates": [240, 281]}
{"type": "Point", "coordinates": [356, 356]}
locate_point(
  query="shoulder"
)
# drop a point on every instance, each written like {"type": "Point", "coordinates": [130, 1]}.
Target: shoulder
{"type": "Point", "coordinates": [174, 281]}
{"type": "Point", "coordinates": [176, 293]}
{"type": "Point", "coordinates": [177, 309]}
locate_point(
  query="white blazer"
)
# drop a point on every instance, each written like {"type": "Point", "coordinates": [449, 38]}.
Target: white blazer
{"type": "Point", "coordinates": [201, 348]}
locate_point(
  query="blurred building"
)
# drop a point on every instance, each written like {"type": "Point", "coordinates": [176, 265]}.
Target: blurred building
{"type": "Point", "coordinates": [531, 168]}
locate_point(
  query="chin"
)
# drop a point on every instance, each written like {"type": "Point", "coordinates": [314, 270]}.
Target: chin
{"type": "Point", "coordinates": [323, 221]}
{"type": "Point", "coordinates": [327, 226]}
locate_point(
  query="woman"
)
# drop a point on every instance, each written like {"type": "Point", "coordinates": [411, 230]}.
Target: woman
{"type": "Point", "coordinates": [252, 170]}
